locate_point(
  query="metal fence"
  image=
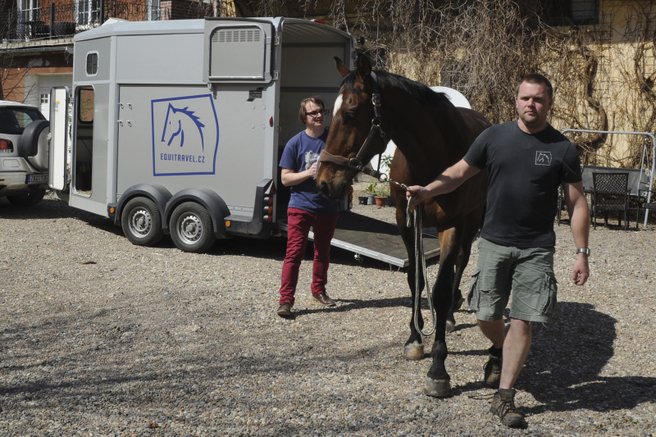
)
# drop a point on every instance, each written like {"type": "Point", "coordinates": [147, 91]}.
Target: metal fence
{"type": "Point", "coordinates": [55, 21]}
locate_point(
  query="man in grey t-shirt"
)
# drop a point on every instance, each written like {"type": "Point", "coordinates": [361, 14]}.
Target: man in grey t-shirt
{"type": "Point", "coordinates": [526, 160]}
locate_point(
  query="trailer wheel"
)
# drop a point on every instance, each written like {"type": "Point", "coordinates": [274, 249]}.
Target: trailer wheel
{"type": "Point", "coordinates": [191, 228]}
{"type": "Point", "coordinates": [141, 222]}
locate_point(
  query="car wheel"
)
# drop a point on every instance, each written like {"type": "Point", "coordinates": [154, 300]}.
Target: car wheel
{"type": "Point", "coordinates": [28, 198]}
{"type": "Point", "coordinates": [141, 222]}
{"type": "Point", "coordinates": [191, 228]}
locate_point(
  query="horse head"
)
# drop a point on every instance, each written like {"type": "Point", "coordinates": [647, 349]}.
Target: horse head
{"type": "Point", "coordinates": [174, 127]}
{"type": "Point", "coordinates": [355, 134]}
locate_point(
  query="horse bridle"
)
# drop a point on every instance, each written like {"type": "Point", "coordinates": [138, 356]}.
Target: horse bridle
{"type": "Point", "coordinates": [357, 163]}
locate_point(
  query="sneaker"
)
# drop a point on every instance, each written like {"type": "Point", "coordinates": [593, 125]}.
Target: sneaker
{"type": "Point", "coordinates": [285, 311]}
{"type": "Point", "coordinates": [492, 369]}
{"type": "Point", "coordinates": [503, 406]}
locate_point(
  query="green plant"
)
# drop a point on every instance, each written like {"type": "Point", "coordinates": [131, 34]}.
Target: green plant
{"type": "Point", "coordinates": [382, 189]}
{"type": "Point", "coordinates": [371, 188]}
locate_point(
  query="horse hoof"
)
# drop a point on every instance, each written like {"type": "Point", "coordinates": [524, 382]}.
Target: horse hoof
{"type": "Point", "coordinates": [438, 388]}
{"type": "Point", "coordinates": [414, 351]}
{"type": "Point", "coordinates": [450, 326]}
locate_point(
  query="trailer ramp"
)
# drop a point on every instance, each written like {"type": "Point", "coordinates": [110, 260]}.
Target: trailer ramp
{"type": "Point", "coordinates": [376, 239]}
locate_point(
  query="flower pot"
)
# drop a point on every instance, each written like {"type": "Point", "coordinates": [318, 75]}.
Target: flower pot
{"type": "Point", "coordinates": [380, 201]}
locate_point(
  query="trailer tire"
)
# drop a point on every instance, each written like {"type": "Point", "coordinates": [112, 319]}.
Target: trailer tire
{"type": "Point", "coordinates": [141, 222]}
{"type": "Point", "coordinates": [191, 228]}
{"type": "Point", "coordinates": [30, 197]}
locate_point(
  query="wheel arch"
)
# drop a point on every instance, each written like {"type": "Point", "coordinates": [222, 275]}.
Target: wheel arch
{"type": "Point", "coordinates": [157, 193]}
{"type": "Point", "coordinates": [210, 200]}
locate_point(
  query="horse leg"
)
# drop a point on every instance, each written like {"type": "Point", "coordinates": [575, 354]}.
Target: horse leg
{"type": "Point", "coordinates": [464, 252]}
{"type": "Point", "coordinates": [450, 238]}
{"type": "Point", "coordinates": [414, 347]}
{"type": "Point", "coordinates": [438, 383]}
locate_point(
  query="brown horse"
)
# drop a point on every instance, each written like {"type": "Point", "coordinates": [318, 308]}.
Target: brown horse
{"type": "Point", "coordinates": [431, 134]}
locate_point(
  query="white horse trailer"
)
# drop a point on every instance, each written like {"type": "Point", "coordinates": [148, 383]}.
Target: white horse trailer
{"type": "Point", "coordinates": [177, 126]}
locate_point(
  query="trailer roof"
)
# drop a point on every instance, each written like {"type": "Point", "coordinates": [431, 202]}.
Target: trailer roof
{"type": "Point", "coordinates": [295, 30]}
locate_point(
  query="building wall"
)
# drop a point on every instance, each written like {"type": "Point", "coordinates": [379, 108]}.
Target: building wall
{"type": "Point", "coordinates": [617, 98]}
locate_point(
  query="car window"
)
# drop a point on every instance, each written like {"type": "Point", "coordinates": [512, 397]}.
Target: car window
{"type": "Point", "coordinates": [14, 120]}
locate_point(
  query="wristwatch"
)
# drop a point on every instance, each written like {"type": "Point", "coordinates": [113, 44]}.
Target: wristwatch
{"type": "Point", "coordinates": [584, 250]}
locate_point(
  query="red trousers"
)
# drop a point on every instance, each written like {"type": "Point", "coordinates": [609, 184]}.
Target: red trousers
{"type": "Point", "coordinates": [298, 226]}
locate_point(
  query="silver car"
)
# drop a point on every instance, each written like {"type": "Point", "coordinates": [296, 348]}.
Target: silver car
{"type": "Point", "coordinates": [23, 153]}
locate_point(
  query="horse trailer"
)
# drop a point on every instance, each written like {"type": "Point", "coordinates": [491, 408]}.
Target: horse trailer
{"type": "Point", "coordinates": [177, 127]}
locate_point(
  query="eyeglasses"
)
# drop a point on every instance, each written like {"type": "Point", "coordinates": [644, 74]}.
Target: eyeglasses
{"type": "Point", "coordinates": [315, 113]}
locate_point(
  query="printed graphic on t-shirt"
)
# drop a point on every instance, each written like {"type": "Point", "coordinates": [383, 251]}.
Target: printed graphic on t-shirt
{"type": "Point", "coordinates": [542, 158]}
{"type": "Point", "coordinates": [310, 158]}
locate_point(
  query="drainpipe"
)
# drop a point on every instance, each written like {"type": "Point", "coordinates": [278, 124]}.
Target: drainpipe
{"type": "Point", "coordinates": [52, 18]}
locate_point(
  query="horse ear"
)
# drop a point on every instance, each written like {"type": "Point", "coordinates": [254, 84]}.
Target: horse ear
{"type": "Point", "coordinates": [363, 65]}
{"type": "Point", "coordinates": [342, 69]}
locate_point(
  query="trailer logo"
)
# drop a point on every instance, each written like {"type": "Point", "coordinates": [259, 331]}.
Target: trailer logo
{"type": "Point", "coordinates": [185, 132]}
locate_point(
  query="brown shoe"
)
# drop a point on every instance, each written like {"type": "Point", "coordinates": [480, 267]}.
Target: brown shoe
{"type": "Point", "coordinates": [492, 369]}
{"type": "Point", "coordinates": [503, 406]}
{"type": "Point", "coordinates": [323, 299]}
{"type": "Point", "coordinates": [285, 311]}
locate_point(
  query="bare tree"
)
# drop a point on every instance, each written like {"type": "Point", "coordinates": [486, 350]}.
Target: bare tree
{"type": "Point", "coordinates": [481, 47]}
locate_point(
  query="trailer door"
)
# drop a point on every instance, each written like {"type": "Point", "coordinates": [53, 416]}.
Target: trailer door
{"type": "Point", "coordinates": [59, 127]}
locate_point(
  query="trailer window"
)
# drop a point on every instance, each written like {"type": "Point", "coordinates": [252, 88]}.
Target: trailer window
{"type": "Point", "coordinates": [92, 63]}
{"type": "Point", "coordinates": [83, 153]}
{"type": "Point", "coordinates": [239, 53]}
{"type": "Point", "coordinates": [85, 105]}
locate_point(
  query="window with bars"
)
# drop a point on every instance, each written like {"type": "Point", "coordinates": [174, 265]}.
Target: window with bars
{"type": "Point", "coordinates": [87, 12]}
{"type": "Point", "coordinates": [29, 10]}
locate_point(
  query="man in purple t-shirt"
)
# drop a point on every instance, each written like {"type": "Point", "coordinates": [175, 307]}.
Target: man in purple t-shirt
{"type": "Point", "coordinates": [307, 208]}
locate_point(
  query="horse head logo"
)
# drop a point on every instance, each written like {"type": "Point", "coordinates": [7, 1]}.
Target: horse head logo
{"type": "Point", "coordinates": [542, 158]}
{"type": "Point", "coordinates": [177, 122]}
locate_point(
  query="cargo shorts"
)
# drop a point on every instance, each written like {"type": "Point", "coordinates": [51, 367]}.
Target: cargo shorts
{"type": "Point", "coordinates": [527, 272]}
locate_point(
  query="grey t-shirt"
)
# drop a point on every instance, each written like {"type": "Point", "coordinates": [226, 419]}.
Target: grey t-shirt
{"type": "Point", "coordinates": [524, 172]}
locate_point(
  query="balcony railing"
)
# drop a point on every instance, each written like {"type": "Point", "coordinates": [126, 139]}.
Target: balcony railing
{"type": "Point", "coordinates": [57, 21]}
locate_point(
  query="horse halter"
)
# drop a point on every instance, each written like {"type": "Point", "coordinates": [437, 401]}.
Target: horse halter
{"type": "Point", "coordinates": [357, 163]}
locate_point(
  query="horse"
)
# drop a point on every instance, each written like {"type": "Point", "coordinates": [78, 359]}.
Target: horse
{"type": "Point", "coordinates": [175, 123]}
{"type": "Point", "coordinates": [431, 134]}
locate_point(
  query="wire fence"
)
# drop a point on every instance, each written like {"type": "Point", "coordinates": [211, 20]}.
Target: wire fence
{"type": "Point", "coordinates": [56, 20]}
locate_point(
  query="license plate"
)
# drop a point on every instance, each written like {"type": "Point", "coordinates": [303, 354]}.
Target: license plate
{"type": "Point", "coordinates": [37, 179]}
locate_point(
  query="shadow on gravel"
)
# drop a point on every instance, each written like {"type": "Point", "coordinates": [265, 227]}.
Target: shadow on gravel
{"type": "Point", "coordinates": [566, 359]}
{"type": "Point", "coordinates": [46, 209]}
{"type": "Point", "coordinates": [52, 208]}
{"type": "Point", "coordinates": [274, 248]}
{"type": "Point", "coordinates": [271, 248]}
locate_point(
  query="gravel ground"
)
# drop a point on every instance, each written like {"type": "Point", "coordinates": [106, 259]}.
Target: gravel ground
{"type": "Point", "coordinates": [100, 337]}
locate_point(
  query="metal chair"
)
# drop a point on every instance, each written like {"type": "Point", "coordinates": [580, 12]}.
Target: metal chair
{"type": "Point", "coordinates": [610, 192]}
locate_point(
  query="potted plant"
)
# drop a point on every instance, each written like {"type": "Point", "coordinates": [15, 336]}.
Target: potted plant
{"type": "Point", "coordinates": [381, 193]}
{"type": "Point", "coordinates": [371, 192]}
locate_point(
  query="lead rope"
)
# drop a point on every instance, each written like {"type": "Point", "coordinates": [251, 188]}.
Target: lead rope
{"type": "Point", "coordinates": [420, 259]}
{"type": "Point", "coordinates": [420, 263]}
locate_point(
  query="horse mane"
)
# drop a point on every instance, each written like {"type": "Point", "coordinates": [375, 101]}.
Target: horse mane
{"type": "Point", "coordinates": [191, 114]}
{"type": "Point", "coordinates": [416, 90]}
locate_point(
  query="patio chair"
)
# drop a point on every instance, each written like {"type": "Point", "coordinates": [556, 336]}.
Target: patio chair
{"type": "Point", "coordinates": [610, 193]}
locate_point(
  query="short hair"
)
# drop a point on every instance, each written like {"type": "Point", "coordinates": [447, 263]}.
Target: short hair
{"type": "Point", "coordinates": [302, 114]}
{"type": "Point", "coordinates": [539, 79]}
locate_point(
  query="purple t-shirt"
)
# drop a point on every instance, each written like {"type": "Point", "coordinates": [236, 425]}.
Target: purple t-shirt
{"type": "Point", "coordinates": [299, 154]}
